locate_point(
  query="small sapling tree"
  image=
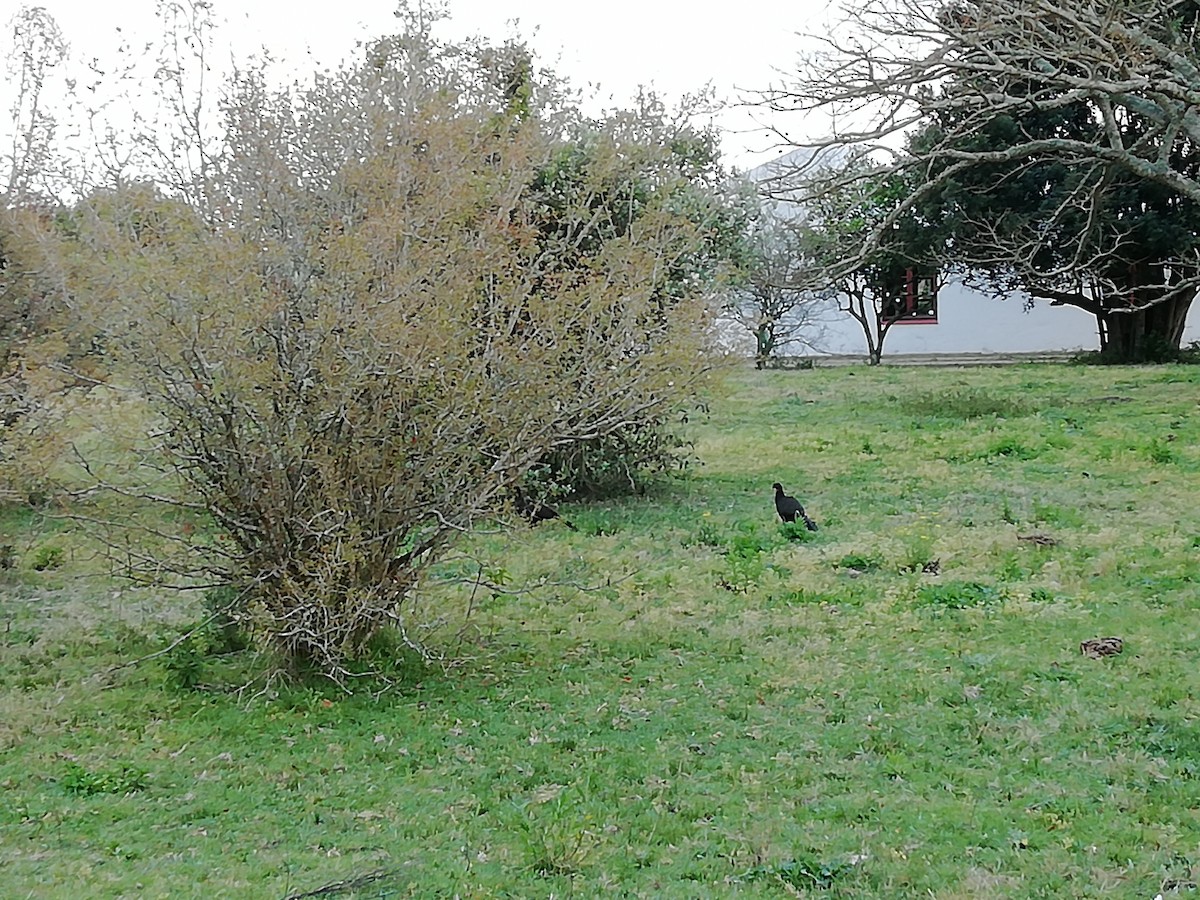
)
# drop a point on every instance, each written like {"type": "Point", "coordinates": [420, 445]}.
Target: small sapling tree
{"type": "Point", "coordinates": [775, 301]}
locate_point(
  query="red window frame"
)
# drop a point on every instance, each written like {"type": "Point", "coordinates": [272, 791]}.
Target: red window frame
{"type": "Point", "coordinates": [918, 306]}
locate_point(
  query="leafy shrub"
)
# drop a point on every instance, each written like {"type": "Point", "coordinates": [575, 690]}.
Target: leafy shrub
{"type": "Point", "coordinates": [184, 663]}
{"type": "Point", "coordinates": [218, 633]}
{"type": "Point", "coordinates": [614, 465]}
{"type": "Point", "coordinates": [341, 427]}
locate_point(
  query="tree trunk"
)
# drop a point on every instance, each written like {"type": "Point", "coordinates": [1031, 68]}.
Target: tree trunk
{"type": "Point", "coordinates": [1147, 335]}
{"type": "Point", "coordinates": [764, 346]}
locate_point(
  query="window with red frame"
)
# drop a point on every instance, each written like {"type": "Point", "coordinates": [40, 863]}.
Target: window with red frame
{"type": "Point", "coordinates": [915, 303]}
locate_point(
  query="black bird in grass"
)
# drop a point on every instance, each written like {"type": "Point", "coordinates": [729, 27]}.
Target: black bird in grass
{"type": "Point", "coordinates": [790, 509]}
{"type": "Point", "coordinates": [536, 511]}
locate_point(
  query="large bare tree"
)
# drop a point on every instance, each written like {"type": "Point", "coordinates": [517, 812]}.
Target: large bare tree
{"type": "Point", "coordinates": [1090, 105]}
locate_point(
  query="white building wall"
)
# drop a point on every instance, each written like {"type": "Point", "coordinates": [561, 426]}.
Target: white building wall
{"type": "Point", "coordinates": [1191, 328]}
{"type": "Point", "coordinates": [971, 322]}
{"type": "Point", "coordinates": [968, 321]}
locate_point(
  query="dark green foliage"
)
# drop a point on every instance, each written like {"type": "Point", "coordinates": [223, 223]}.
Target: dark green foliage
{"type": "Point", "coordinates": [797, 532]}
{"type": "Point", "coordinates": [1154, 350]}
{"type": "Point", "coordinates": [225, 635]}
{"type": "Point", "coordinates": [1048, 224]}
{"type": "Point", "coordinates": [614, 465]}
{"type": "Point", "coordinates": [184, 662]}
{"type": "Point", "coordinates": [1008, 447]}
{"type": "Point", "coordinates": [750, 542]}
{"type": "Point", "coordinates": [689, 180]}
{"type": "Point", "coordinates": [187, 659]}
{"type": "Point", "coordinates": [1161, 451]}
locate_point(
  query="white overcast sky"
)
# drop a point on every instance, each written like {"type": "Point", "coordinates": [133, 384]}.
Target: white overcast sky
{"type": "Point", "coordinates": [616, 45]}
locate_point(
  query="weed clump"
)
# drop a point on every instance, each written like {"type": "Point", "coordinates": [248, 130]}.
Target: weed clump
{"type": "Point", "coordinates": [746, 560]}
{"type": "Point", "coordinates": [859, 562]}
{"type": "Point", "coordinates": [796, 532]}
{"type": "Point", "coordinates": [47, 556]}
{"type": "Point", "coordinates": [86, 783]}
{"type": "Point", "coordinates": [219, 633]}
{"type": "Point", "coordinates": [1010, 448]}
{"type": "Point", "coordinates": [957, 595]}
{"type": "Point", "coordinates": [707, 535]}
{"type": "Point", "coordinates": [800, 874]}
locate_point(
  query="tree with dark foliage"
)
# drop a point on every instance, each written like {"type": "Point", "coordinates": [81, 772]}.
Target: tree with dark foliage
{"type": "Point", "coordinates": [1053, 143]}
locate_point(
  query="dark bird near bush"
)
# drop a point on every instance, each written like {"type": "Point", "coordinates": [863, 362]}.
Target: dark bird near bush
{"type": "Point", "coordinates": [790, 509]}
{"type": "Point", "coordinates": [536, 511]}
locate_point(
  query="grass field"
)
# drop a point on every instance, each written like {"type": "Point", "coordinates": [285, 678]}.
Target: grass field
{"type": "Point", "coordinates": [681, 699]}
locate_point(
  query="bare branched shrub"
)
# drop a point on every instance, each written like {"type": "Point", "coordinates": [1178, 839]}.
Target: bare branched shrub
{"type": "Point", "coordinates": [380, 313]}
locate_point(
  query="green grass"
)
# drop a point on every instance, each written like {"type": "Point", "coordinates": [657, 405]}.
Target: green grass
{"type": "Point", "coordinates": [683, 699]}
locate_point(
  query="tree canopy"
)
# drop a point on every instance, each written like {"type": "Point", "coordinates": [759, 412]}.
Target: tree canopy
{"type": "Point", "coordinates": [1050, 145]}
